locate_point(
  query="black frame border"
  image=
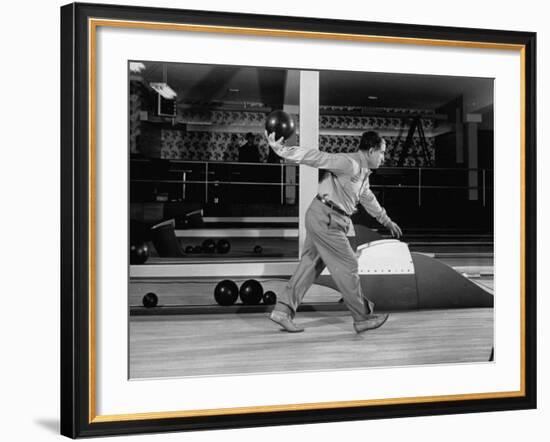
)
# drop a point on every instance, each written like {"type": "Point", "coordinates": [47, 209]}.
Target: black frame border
{"type": "Point", "coordinates": [75, 219]}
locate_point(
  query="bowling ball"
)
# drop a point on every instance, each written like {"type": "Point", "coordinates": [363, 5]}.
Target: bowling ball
{"type": "Point", "coordinates": [269, 298]}
{"type": "Point", "coordinates": [150, 300]}
{"type": "Point", "coordinates": [189, 250]}
{"type": "Point", "coordinates": [258, 249]}
{"type": "Point", "coordinates": [251, 292]}
{"type": "Point", "coordinates": [208, 246]}
{"type": "Point", "coordinates": [281, 123]}
{"type": "Point", "coordinates": [226, 292]}
{"type": "Point", "coordinates": [223, 246]}
{"type": "Point", "coordinates": [197, 249]}
{"type": "Point", "coordinates": [139, 252]}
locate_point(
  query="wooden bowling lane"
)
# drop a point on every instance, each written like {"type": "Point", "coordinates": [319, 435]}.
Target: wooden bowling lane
{"type": "Point", "coordinates": [222, 344]}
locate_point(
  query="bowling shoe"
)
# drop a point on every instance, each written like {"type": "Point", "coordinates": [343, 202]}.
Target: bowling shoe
{"type": "Point", "coordinates": [285, 321]}
{"type": "Point", "coordinates": [372, 322]}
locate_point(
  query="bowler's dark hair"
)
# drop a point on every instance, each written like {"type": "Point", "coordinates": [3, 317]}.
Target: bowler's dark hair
{"type": "Point", "coordinates": [370, 140]}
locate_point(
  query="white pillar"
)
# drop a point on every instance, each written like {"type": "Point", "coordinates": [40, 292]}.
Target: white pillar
{"type": "Point", "coordinates": [309, 137]}
{"type": "Point", "coordinates": [292, 106]}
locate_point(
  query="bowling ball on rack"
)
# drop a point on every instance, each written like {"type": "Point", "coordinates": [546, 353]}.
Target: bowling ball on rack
{"type": "Point", "coordinates": [269, 298]}
{"type": "Point", "coordinates": [226, 292]}
{"type": "Point", "coordinates": [189, 250]}
{"type": "Point", "coordinates": [281, 123]}
{"type": "Point", "coordinates": [251, 292]}
{"type": "Point", "coordinates": [208, 246]}
{"type": "Point", "coordinates": [258, 249]}
{"type": "Point", "coordinates": [223, 246]}
{"type": "Point", "coordinates": [150, 300]}
{"type": "Point", "coordinates": [139, 252]}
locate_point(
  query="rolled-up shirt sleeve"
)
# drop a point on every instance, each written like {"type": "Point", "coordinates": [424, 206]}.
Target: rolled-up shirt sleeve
{"type": "Point", "coordinates": [372, 206]}
{"type": "Point", "coordinates": [338, 164]}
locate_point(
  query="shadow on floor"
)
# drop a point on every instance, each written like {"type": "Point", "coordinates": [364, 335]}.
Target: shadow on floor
{"type": "Point", "coordinates": [49, 424]}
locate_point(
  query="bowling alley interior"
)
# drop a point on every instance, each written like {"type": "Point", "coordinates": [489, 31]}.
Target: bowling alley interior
{"type": "Point", "coordinates": [216, 218]}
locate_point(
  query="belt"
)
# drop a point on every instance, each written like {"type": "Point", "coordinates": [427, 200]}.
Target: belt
{"type": "Point", "coordinates": [332, 205]}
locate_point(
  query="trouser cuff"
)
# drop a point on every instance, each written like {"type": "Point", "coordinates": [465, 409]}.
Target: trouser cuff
{"type": "Point", "coordinates": [284, 308]}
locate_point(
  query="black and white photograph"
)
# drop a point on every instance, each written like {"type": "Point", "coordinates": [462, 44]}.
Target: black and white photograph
{"type": "Point", "coordinates": [276, 221]}
{"type": "Point", "coordinates": [288, 220]}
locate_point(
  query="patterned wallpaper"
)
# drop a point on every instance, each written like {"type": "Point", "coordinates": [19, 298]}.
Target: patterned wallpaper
{"type": "Point", "coordinates": [207, 146]}
{"type": "Point", "coordinates": [394, 147]}
{"type": "Point", "coordinates": [223, 117]}
{"type": "Point", "coordinates": [222, 142]}
{"type": "Point", "coordinates": [135, 105]}
{"type": "Point", "coordinates": [370, 123]}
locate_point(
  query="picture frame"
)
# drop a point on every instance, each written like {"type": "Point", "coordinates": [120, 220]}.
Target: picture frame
{"type": "Point", "coordinates": [80, 48]}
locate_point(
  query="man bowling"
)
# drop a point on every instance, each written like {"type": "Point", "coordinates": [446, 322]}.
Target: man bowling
{"type": "Point", "coordinates": [327, 222]}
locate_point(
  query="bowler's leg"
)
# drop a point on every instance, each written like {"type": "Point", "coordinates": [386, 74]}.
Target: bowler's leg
{"type": "Point", "coordinates": [329, 237]}
{"type": "Point", "coordinates": [310, 267]}
{"type": "Point", "coordinates": [339, 258]}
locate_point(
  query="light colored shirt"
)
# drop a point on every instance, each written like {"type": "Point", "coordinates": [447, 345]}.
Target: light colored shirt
{"type": "Point", "coordinates": [347, 182]}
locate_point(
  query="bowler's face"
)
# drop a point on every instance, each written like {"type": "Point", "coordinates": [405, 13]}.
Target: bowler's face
{"type": "Point", "coordinates": [375, 157]}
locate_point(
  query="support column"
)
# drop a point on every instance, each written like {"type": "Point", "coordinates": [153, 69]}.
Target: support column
{"type": "Point", "coordinates": [309, 137]}
{"type": "Point", "coordinates": [471, 126]}
{"type": "Point", "coordinates": [291, 105]}
{"type": "Point", "coordinates": [459, 136]}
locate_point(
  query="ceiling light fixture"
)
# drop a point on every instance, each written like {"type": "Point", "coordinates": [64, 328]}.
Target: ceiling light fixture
{"type": "Point", "coordinates": [136, 67]}
{"type": "Point", "coordinates": [162, 88]}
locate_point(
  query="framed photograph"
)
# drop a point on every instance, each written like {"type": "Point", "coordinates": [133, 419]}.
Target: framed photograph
{"type": "Point", "coordinates": [274, 220]}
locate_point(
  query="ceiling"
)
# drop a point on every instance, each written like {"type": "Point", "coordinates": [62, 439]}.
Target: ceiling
{"type": "Point", "coordinates": [207, 83]}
